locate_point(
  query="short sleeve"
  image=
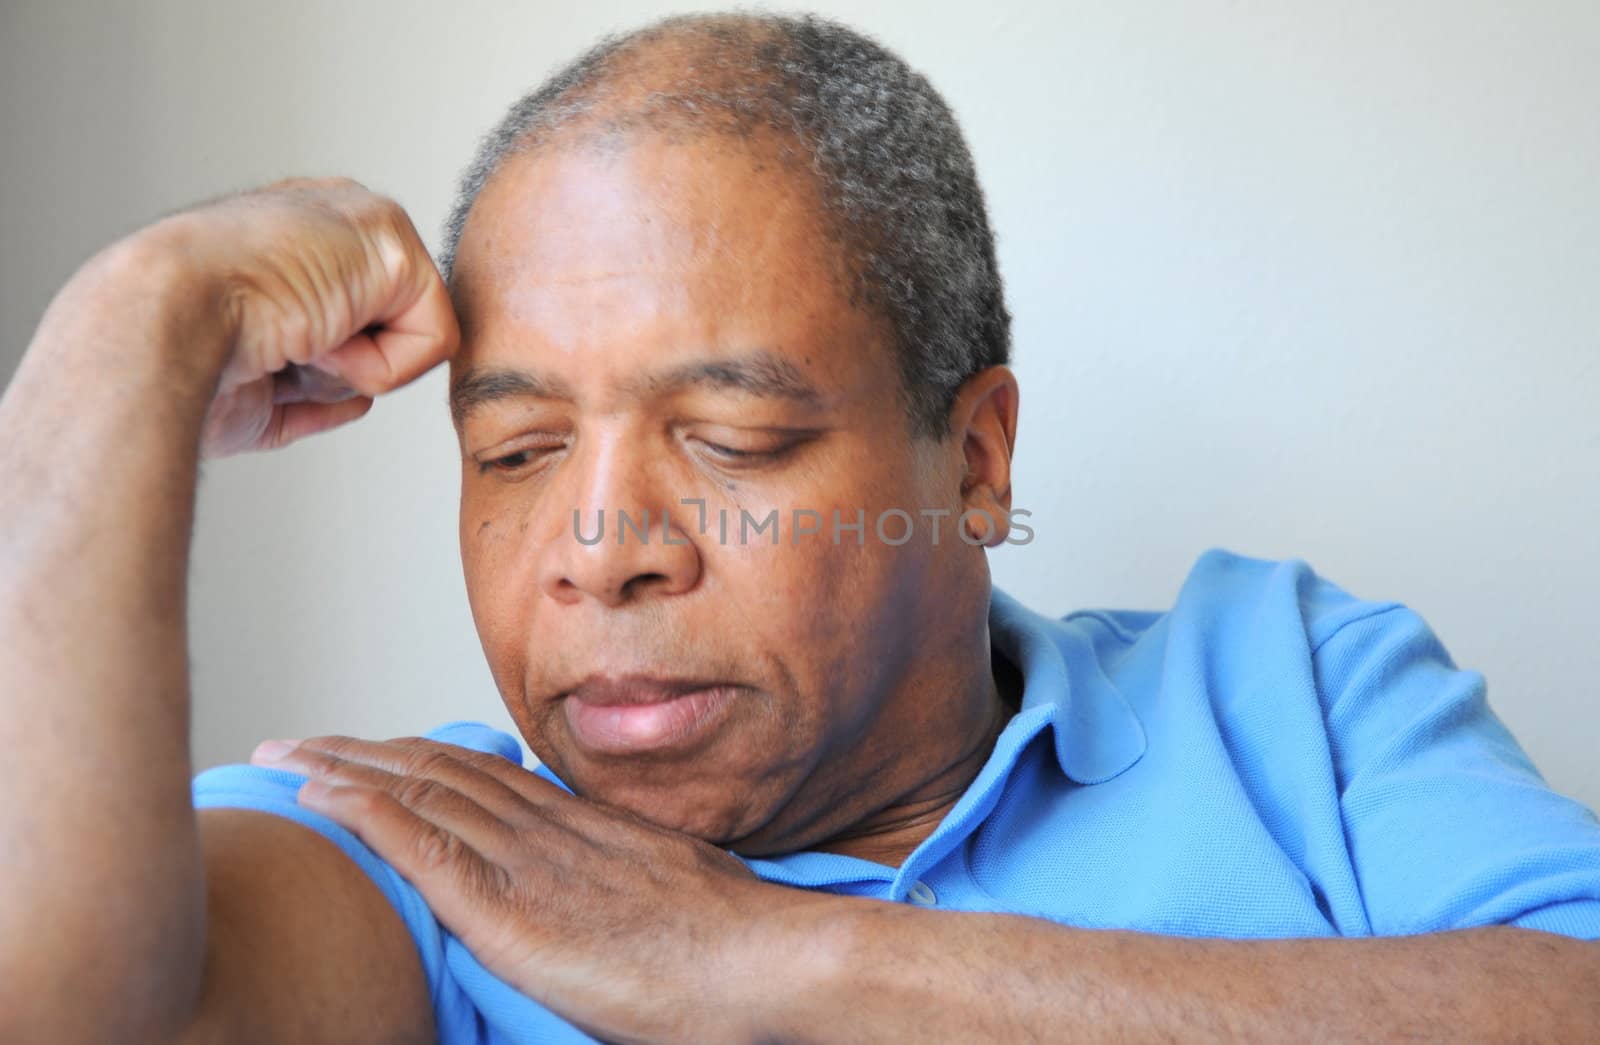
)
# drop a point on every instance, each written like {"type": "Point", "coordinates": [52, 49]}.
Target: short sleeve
{"type": "Point", "coordinates": [1448, 823]}
{"type": "Point", "coordinates": [273, 791]}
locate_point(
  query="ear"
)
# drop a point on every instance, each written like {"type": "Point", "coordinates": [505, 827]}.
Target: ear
{"type": "Point", "coordinates": [984, 418]}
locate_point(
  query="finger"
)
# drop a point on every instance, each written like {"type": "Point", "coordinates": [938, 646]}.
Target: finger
{"type": "Point", "coordinates": [529, 786]}
{"type": "Point", "coordinates": [381, 763]}
{"type": "Point", "coordinates": [411, 331]}
{"type": "Point", "coordinates": [525, 784]}
{"type": "Point", "coordinates": [292, 421]}
{"type": "Point", "coordinates": [309, 384]}
{"type": "Point", "coordinates": [455, 878]}
{"type": "Point", "coordinates": [432, 800]}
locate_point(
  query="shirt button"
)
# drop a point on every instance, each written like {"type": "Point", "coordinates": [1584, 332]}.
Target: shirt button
{"type": "Point", "coordinates": [921, 895]}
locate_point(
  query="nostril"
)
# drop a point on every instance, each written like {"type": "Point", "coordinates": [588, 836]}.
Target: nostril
{"type": "Point", "coordinates": [643, 580]}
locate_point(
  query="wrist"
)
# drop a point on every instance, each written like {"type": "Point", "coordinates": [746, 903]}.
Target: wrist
{"type": "Point", "coordinates": [145, 310]}
{"type": "Point", "coordinates": [805, 958]}
{"type": "Point", "coordinates": [170, 265]}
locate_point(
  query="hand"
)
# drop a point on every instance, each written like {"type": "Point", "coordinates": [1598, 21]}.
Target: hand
{"type": "Point", "coordinates": [330, 299]}
{"type": "Point", "coordinates": [629, 930]}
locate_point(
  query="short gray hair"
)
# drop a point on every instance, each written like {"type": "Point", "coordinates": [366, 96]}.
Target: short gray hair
{"type": "Point", "coordinates": [895, 175]}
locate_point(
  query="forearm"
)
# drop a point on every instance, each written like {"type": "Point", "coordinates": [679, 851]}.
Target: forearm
{"type": "Point", "coordinates": [99, 445]}
{"type": "Point", "coordinates": [884, 971]}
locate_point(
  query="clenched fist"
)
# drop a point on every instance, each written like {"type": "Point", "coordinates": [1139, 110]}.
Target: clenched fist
{"type": "Point", "coordinates": [327, 298]}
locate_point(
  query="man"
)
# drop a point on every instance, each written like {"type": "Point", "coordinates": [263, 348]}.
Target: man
{"type": "Point", "coordinates": [726, 268]}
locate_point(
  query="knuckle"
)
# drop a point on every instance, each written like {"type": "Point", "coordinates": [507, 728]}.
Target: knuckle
{"type": "Point", "coordinates": [329, 768]}
{"type": "Point", "coordinates": [479, 762]}
{"type": "Point", "coordinates": [380, 211]}
{"type": "Point", "coordinates": [416, 792]}
{"type": "Point", "coordinates": [397, 237]}
{"type": "Point", "coordinates": [333, 746]}
{"type": "Point", "coordinates": [429, 761]}
{"type": "Point", "coordinates": [389, 209]}
{"type": "Point", "coordinates": [497, 881]}
{"type": "Point", "coordinates": [432, 848]}
{"type": "Point", "coordinates": [367, 803]}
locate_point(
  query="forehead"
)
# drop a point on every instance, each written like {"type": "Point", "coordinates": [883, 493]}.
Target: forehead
{"type": "Point", "coordinates": [715, 219]}
{"type": "Point", "coordinates": [597, 266]}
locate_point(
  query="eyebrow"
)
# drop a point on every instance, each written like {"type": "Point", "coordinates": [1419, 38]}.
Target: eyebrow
{"type": "Point", "coordinates": [760, 373]}
{"type": "Point", "coordinates": [491, 384]}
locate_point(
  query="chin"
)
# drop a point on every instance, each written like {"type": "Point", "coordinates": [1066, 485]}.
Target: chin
{"type": "Point", "coordinates": [714, 822]}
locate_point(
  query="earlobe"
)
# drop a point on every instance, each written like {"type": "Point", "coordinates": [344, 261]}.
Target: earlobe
{"type": "Point", "coordinates": [980, 526]}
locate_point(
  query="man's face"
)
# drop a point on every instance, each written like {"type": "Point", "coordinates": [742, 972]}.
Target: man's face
{"type": "Point", "coordinates": [664, 323]}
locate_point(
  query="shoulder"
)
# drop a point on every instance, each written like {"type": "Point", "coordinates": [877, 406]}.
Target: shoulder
{"type": "Point", "coordinates": [280, 875]}
{"type": "Point", "coordinates": [1227, 598]}
{"type": "Point", "coordinates": [1246, 633]}
{"type": "Point", "coordinates": [300, 944]}
{"type": "Point", "coordinates": [254, 788]}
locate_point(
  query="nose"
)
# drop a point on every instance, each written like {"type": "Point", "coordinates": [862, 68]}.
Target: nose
{"type": "Point", "coordinates": [620, 541]}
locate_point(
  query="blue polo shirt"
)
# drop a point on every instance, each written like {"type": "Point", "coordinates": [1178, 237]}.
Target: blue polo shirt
{"type": "Point", "coordinates": [1271, 757]}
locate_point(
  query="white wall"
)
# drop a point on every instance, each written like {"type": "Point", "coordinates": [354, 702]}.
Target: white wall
{"type": "Point", "coordinates": [1297, 279]}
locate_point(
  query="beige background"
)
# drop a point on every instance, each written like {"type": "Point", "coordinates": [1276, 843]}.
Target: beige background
{"type": "Point", "coordinates": [1296, 278]}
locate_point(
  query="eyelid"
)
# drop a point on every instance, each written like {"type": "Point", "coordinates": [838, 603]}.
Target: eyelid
{"type": "Point", "coordinates": [488, 460]}
{"type": "Point", "coordinates": [735, 453]}
{"type": "Point", "coordinates": [725, 433]}
{"type": "Point", "coordinates": [779, 443]}
{"type": "Point", "coordinates": [494, 464]}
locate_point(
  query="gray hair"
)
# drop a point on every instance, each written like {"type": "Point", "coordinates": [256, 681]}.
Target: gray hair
{"type": "Point", "coordinates": [896, 178]}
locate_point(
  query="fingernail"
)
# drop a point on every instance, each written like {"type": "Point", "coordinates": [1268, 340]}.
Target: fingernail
{"type": "Point", "coordinates": [272, 750]}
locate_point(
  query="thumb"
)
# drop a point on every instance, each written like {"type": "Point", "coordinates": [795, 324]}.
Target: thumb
{"type": "Point", "coordinates": [415, 330]}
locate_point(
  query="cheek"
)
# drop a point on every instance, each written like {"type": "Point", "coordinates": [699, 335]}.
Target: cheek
{"type": "Point", "coordinates": [809, 584]}
{"type": "Point", "coordinates": [836, 615]}
{"type": "Point", "coordinates": [487, 546]}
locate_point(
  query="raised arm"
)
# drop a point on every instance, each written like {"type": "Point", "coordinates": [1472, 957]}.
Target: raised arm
{"type": "Point", "coordinates": [120, 919]}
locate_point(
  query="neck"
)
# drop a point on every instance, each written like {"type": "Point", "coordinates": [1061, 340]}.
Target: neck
{"type": "Point", "coordinates": [894, 832]}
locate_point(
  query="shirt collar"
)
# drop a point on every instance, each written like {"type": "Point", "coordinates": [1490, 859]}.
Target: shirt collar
{"type": "Point", "coordinates": [1097, 736]}
{"type": "Point", "coordinates": [1097, 732]}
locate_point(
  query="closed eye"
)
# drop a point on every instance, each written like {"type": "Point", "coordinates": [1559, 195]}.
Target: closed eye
{"type": "Point", "coordinates": [510, 462]}
{"type": "Point", "coordinates": [516, 461]}
{"type": "Point", "coordinates": [739, 455]}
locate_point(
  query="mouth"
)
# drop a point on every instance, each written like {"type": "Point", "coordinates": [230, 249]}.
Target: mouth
{"type": "Point", "coordinates": [632, 714]}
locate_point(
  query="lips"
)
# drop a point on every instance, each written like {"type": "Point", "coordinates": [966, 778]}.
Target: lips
{"type": "Point", "coordinates": [613, 691]}
{"type": "Point", "coordinates": [630, 714]}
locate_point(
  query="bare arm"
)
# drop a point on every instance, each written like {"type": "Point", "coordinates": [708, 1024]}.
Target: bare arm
{"type": "Point", "coordinates": [161, 346]}
{"type": "Point", "coordinates": [888, 970]}
{"type": "Point", "coordinates": [303, 948]}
